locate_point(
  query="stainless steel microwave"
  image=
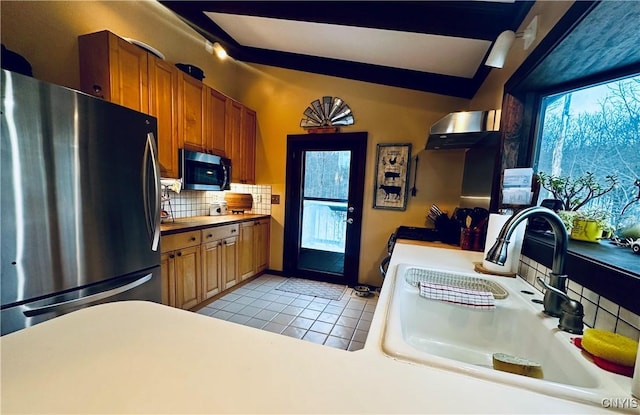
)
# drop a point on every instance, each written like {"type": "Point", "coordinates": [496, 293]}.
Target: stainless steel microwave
{"type": "Point", "coordinates": [201, 171]}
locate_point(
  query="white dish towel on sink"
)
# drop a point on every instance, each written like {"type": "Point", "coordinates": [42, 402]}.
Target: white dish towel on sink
{"type": "Point", "coordinates": [457, 295]}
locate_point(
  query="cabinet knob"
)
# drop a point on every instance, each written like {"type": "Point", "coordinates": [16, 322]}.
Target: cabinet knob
{"type": "Point", "coordinates": [97, 90]}
{"type": "Point", "coordinates": [172, 256]}
{"type": "Point", "coordinates": [193, 238]}
{"type": "Point", "coordinates": [233, 230]}
{"type": "Point", "coordinates": [179, 253]}
{"type": "Point", "coordinates": [210, 235]}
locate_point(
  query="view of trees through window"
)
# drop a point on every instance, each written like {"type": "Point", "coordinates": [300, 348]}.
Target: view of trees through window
{"type": "Point", "coordinates": [325, 196]}
{"type": "Point", "coordinates": [597, 130]}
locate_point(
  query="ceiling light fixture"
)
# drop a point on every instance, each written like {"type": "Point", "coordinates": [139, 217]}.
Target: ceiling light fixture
{"type": "Point", "coordinates": [503, 43]}
{"type": "Point", "coordinates": [219, 51]}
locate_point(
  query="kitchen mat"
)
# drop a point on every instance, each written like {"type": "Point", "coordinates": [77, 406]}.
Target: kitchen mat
{"type": "Point", "coordinates": [313, 288]}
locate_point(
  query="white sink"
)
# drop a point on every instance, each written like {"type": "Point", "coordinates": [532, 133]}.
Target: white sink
{"type": "Point", "coordinates": [464, 339]}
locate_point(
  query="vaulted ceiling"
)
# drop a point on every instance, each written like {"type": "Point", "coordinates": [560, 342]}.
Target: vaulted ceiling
{"type": "Point", "coordinates": [433, 46]}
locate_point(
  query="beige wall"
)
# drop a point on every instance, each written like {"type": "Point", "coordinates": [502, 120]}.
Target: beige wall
{"type": "Point", "coordinates": [388, 115]}
{"type": "Point", "coordinates": [46, 34]}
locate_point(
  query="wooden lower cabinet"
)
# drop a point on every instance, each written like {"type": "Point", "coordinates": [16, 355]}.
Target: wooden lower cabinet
{"type": "Point", "coordinates": [181, 270]}
{"type": "Point", "coordinates": [229, 268]}
{"type": "Point", "coordinates": [198, 265]}
{"type": "Point", "coordinates": [261, 245]}
{"type": "Point", "coordinates": [187, 265]}
{"type": "Point", "coordinates": [246, 252]}
{"type": "Point", "coordinates": [168, 272]}
{"type": "Point", "coordinates": [253, 250]}
{"type": "Point", "coordinates": [211, 269]}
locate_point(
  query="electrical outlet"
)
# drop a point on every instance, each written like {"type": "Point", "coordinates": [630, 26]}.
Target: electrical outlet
{"type": "Point", "coordinates": [275, 199]}
{"type": "Point", "coordinates": [258, 198]}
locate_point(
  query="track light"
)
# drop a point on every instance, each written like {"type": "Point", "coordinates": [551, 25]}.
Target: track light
{"type": "Point", "coordinates": [219, 51]}
{"type": "Point", "coordinates": [503, 43]}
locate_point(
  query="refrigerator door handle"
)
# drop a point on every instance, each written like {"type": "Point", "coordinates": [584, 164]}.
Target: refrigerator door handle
{"type": "Point", "coordinates": [31, 312]}
{"type": "Point", "coordinates": [153, 227]}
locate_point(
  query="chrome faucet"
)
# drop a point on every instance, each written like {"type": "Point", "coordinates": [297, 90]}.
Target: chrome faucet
{"type": "Point", "coordinates": [498, 254]}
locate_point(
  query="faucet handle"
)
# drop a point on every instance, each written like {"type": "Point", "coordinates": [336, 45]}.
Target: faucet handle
{"type": "Point", "coordinates": [572, 312]}
{"type": "Point", "coordinates": [571, 318]}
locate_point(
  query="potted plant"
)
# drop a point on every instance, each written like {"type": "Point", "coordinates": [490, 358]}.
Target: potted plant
{"type": "Point", "coordinates": [575, 193]}
{"type": "Point", "coordinates": [589, 224]}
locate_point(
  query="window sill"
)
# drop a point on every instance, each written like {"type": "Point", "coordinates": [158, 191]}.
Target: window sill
{"type": "Point", "coordinates": [611, 271]}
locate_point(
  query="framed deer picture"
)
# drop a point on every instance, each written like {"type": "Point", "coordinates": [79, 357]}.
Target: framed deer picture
{"type": "Point", "coordinates": [392, 171]}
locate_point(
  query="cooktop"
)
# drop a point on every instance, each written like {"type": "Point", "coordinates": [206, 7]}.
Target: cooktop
{"type": "Point", "coordinates": [417, 234]}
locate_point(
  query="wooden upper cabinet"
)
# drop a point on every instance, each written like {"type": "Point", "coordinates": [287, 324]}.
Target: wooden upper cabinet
{"type": "Point", "coordinates": [248, 145]}
{"type": "Point", "coordinates": [163, 89]}
{"type": "Point", "coordinates": [192, 99]}
{"type": "Point", "coordinates": [232, 139]}
{"type": "Point", "coordinates": [114, 69]}
{"type": "Point", "coordinates": [216, 122]}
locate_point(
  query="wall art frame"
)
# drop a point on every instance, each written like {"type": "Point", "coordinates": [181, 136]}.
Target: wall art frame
{"type": "Point", "coordinates": [391, 187]}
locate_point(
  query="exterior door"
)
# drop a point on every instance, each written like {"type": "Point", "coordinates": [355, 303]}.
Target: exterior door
{"type": "Point", "coordinates": [323, 210]}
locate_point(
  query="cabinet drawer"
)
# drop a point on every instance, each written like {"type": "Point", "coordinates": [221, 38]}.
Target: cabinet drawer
{"type": "Point", "coordinates": [179, 241]}
{"type": "Point", "coordinates": [219, 232]}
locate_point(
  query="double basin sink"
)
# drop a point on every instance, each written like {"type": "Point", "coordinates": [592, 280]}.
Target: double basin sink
{"type": "Point", "coordinates": [464, 339]}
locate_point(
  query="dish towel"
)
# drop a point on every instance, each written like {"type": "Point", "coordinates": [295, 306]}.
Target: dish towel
{"type": "Point", "coordinates": [457, 295]}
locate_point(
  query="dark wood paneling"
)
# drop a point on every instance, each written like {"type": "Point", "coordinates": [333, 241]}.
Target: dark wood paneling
{"type": "Point", "coordinates": [464, 19]}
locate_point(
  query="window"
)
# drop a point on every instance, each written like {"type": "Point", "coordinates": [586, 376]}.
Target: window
{"type": "Point", "coordinates": [595, 129]}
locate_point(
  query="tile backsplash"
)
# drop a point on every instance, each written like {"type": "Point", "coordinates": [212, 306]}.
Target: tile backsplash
{"type": "Point", "coordinates": [599, 312]}
{"type": "Point", "coordinates": [189, 203]}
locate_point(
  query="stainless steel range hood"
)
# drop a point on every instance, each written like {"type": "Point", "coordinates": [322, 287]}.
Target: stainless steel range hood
{"type": "Point", "coordinates": [465, 129]}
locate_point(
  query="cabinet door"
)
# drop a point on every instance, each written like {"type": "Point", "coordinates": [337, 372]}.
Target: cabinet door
{"type": "Point", "coordinates": [211, 268]}
{"type": "Point", "coordinates": [232, 139]}
{"type": "Point", "coordinates": [114, 69]}
{"type": "Point", "coordinates": [129, 64]}
{"type": "Point", "coordinates": [246, 255]}
{"type": "Point", "coordinates": [230, 262]}
{"type": "Point", "coordinates": [248, 145]}
{"type": "Point", "coordinates": [261, 245]}
{"type": "Point", "coordinates": [163, 87]}
{"type": "Point", "coordinates": [168, 270]}
{"type": "Point", "coordinates": [187, 264]}
{"type": "Point", "coordinates": [216, 122]}
{"type": "Point", "coordinates": [191, 102]}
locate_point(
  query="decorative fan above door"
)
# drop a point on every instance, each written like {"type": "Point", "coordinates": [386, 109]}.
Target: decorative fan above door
{"type": "Point", "coordinates": [328, 112]}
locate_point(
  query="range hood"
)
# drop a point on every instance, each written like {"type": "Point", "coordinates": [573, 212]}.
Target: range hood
{"type": "Point", "coordinates": [465, 129]}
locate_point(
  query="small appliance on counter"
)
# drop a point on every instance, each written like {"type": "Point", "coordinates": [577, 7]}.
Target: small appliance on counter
{"type": "Point", "coordinates": [218, 208]}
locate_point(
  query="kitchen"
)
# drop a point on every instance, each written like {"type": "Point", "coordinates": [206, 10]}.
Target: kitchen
{"type": "Point", "coordinates": [278, 96]}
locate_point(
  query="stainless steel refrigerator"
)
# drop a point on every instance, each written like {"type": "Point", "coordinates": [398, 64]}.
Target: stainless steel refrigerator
{"type": "Point", "coordinates": [80, 209]}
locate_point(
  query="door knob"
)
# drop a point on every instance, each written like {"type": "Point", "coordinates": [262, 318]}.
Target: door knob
{"type": "Point", "coordinates": [351, 209]}
{"type": "Point", "coordinates": [349, 221]}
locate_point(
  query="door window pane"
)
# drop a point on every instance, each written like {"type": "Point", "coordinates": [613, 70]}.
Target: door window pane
{"type": "Point", "coordinates": [326, 174]}
{"type": "Point", "coordinates": [324, 225]}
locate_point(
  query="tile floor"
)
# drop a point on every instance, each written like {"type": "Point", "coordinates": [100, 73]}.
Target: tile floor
{"type": "Point", "coordinates": [342, 324]}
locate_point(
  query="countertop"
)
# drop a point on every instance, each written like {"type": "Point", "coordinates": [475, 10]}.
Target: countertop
{"type": "Point", "coordinates": [140, 357]}
{"type": "Point", "coordinates": [200, 222]}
